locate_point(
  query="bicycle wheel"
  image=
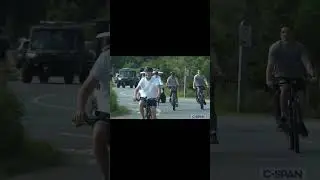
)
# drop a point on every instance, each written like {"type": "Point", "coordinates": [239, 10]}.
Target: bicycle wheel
{"type": "Point", "coordinates": [295, 129]}
{"type": "Point", "coordinates": [201, 100]}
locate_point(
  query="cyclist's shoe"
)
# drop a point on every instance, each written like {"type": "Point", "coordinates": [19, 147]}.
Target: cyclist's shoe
{"type": "Point", "coordinates": [303, 130]}
{"type": "Point", "coordinates": [214, 138]}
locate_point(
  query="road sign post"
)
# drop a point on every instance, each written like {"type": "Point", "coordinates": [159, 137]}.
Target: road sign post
{"type": "Point", "coordinates": [245, 42]}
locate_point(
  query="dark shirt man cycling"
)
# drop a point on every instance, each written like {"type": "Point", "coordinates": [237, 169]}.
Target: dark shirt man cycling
{"type": "Point", "coordinates": [172, 83]}
{"type": "Point", "coordinates": [287, 60]}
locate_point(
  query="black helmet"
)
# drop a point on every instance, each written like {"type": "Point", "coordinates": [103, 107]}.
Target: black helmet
{"type": "Point", "coordinates": [148, 69]}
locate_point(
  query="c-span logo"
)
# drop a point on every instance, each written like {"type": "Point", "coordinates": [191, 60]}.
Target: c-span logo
{"type": "Point", "coordinates": [282, 174]}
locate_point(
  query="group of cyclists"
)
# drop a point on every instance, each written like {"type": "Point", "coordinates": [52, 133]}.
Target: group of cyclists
{"type": "Point", "coordinates": [287, 60]}
{"type": "Point", "coordinates": [148, 90]}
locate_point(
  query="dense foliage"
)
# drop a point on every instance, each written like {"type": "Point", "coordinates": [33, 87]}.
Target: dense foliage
{"type": "Point", "coordinates": [167, 64]}
{"type": "Point", "coordinates": [266, 17]}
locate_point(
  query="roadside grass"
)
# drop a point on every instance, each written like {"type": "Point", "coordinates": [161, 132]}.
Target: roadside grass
{"type": "Point", "coordinates": [116, 109]}
{"type": "Point", "coordinates": [18, 152]}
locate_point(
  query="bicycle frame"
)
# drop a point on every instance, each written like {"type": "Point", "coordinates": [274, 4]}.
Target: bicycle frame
{"type": "Point", "coordinates": [294, 118]}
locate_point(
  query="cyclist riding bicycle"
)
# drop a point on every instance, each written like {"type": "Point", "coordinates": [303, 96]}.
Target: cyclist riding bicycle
{"type": "Point", "coordinates": [148, 87]}
{"type": "Point", "coordinates": [172, 83]}
{"type": "Point", "coordinates": [98, 80]}
{"type": "Point", "coordinates": [288, 60]}
{"type": "Point", "coordinates": [199, 81]}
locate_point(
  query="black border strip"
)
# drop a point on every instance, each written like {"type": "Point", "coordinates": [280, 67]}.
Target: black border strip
{"type": "Point", "coordinates": [160, 149]}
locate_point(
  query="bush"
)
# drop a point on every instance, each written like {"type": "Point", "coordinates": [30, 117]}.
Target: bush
{"type": "Point", "coordinates": [19, 153]}
{"type": "Point", "coordinates": [114, 103]}
{"type": "Point", "coordinates": [12, 132]}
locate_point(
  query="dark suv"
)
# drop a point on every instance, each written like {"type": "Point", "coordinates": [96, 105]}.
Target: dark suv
{"type": "Point", "coordinates": [127, 77]}
{"type": "Point", "coordinates": [55, 49]}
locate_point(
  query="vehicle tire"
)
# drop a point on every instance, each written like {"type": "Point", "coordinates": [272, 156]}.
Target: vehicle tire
{"type": "Point", "coordinates": [123, 85]}
{"type": "Point", "coordinates": [118, 85]}
{"type": "Point", "coordinates": [68, 78]}
{"type": "Point", "coordinates": [26, 74]}
{"type": "Point", "coordinates": [131, 85]}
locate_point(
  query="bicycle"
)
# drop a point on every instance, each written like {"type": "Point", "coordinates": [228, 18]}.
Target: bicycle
{"type": "Point", "coordinates": [147, 109]}
{"type": "Point", "coordinates": [295, 118]}
{"type": "Point", "coordinates": [200, 96]}
{"type": "Point", "coordinates": [173, 97]}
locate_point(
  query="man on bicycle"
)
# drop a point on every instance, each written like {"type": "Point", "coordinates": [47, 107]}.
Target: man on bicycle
{"type": "Point", "coordinates": [199, 82]}
{"type": "Point", "coordinates": [98, 79]}
{"type": "Point", "coordinates": [172, 84]}
{"type": "Point", "coordinates": [148, 87]}
{"type": "Point", "coordinates": [213, 121]}
{"type": "Point", "coordinates": [288, 60]}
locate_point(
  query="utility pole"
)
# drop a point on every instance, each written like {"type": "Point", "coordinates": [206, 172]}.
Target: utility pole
{"type": "Point", "coordinates": [245, 38]}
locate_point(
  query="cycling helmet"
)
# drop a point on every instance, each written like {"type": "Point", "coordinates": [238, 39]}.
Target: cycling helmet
{"type": "Point", "coordinates": [148, 69]}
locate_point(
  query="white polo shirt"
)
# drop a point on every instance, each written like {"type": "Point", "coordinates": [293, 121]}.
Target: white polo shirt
{"type": "Point", "coordinates": [148, 88]}
{"type": "Point", "coordinates": [101, 71]}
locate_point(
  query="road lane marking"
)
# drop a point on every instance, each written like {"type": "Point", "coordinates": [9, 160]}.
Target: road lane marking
{"type": "Point", "coordinates": [76, 135]}
{"type": "Point", "coordinates": [37, 100]}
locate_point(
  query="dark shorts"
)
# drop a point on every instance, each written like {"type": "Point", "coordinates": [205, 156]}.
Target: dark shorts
{"type": "Point", "coordinates": [104, 117]}
{"type": "Point", "coordinates": [150, 102]}
{"type": "Point", "coordinates": [299, 86]}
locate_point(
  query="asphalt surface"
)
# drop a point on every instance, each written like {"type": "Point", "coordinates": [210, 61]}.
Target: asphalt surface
{"type": "Point", "coordinates": [250, 146]}
{"type": "Point", "coordinates": [188, 108]}
{"type": "Point", "coordinates": [49, 110]}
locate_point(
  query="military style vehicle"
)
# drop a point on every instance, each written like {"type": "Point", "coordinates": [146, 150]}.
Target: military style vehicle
{"type": "Point", "coordinates": [127, 77]}
{"type": "Point", "coordinates": [55, 49]}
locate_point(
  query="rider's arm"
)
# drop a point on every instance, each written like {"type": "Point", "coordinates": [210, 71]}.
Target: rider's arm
{"type": "Point", "coordinates": [177, 81]}
{"type": "Point", "coordinates": [99, 72]}
{"type": "Point", "coordinates": [137, 88]}
{"type": "Point", "coordinates": [194, 82]}
{"type": "Point", "coordinates": [270, 65]}
{"type": "Point", "coordinates": [205, 80]}
{"type": "Point", "coordinates": [306, 61]}
{"type": "Point", "coordinates": [167, 81]}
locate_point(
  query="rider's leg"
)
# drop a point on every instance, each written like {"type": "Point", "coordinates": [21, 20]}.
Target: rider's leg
{"type": "Point", "coordinates": [303, 129]}
{"type": "Point", "coordinates": [100, 147]}
{"type": "Point", "coordinates": [153, 108]}
{"type": "Point", "coordinates": [204, 98]}
{"type": "Point", "coordinates": [170, 95]}
{"type": "Point", "coordinates": [277, 109]}
{"type": "Point", "coordinates": [284, 96]}
{"type": "Point", "coordinates": [141, 103]}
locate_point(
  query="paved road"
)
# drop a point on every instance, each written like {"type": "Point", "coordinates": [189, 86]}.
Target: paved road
{"type": "Point", "coordinates": [49, 110]}
{"type": "Point", "coordinates": [250, 145]}
{"type": "Point", "coordinates": [188, 108]}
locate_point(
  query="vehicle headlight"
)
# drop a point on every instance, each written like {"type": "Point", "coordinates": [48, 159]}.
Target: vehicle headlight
{"type": "Point", "coordinates": [119, 78]}
{"type": "Point", "coordinates": [31, 54]}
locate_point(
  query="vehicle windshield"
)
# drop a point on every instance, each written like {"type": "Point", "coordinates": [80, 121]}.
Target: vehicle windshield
{"type": "Point", "coordinates": [50, 39]}
{"type": "Point", "coordinates": [127, 73]}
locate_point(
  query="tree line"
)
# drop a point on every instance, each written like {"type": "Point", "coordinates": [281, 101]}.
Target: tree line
{"type": "Point", "coordinates": [167, 64]}
{"type": "Point", "coordinates": [18, 15]}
